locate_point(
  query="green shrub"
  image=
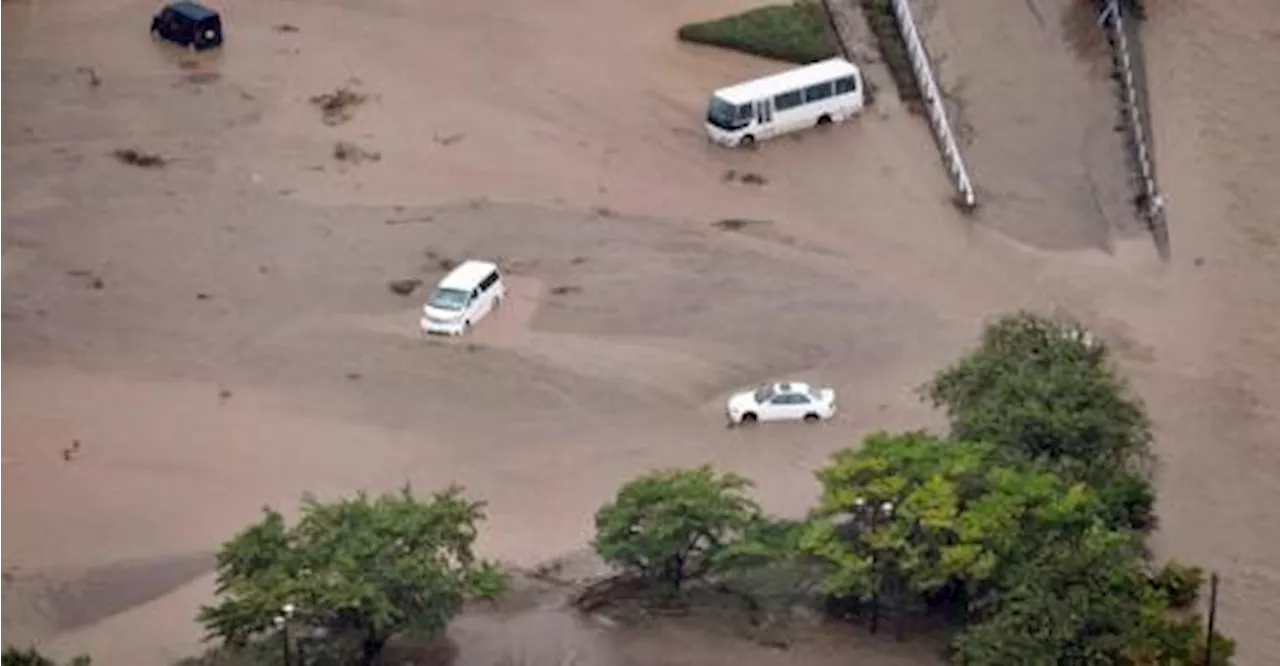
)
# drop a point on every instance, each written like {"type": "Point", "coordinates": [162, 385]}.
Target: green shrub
{"type": "Point", "coordinates": [13, 656]}
{"type": "Point", "coordinates": [1179, 583]}
{"type": "Point", "coordinates": [799, 33]}
{"type": "Point", "coordinates": [1130, 500]}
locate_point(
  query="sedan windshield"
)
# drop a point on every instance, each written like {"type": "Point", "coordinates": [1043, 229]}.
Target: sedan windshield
{"type": "Point", "coordinates": [764, 393]}
{"type": "Point", "coordinates": [727, 116]}
{"type": "Point", "coordinates": [448, 299]}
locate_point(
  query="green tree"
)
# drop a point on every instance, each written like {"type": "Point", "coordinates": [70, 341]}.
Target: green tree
{"type": "Point", "coordinates": [1075, 603]}
{"type": "Point", "coordinates": [672, 526]}
{"type": "Point", "coordinates": [357, 570]}
{"type": "Point", "coordinates": [1086, 601]}
{"type": "Point", "coordinates": [916, 516]}
{"type": "Point", "coordinates": [29, 656]}
{"type": "Point", "coordinates": [1046, 389]}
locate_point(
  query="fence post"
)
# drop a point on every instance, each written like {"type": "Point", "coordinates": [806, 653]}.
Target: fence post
{"type": "Point", "coordinates": [1213, 616]}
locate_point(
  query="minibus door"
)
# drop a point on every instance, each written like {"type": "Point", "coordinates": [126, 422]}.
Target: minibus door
{"type": "Point", "coordinates": [764, 117]}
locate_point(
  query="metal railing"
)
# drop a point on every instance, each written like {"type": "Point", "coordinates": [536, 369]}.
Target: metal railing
{"type": "Point", "coordinates": [933, 102]}
{"type": "Point", "coordinates": [1150, 200]}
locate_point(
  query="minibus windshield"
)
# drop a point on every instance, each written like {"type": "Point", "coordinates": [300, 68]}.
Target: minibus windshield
{"type": "Point", "coordinates": [726, 116]}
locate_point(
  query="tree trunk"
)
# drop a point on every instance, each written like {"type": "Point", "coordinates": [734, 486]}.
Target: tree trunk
{"type": "Point", "coordinates": [371, 648]}
{"type": "Point", "coordinates": [673, 572]}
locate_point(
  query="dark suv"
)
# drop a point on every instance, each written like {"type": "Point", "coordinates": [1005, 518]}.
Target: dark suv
{"type": "Point", "coordinates": [189, 24]}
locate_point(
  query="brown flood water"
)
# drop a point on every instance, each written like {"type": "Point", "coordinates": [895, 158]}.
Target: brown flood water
{"type": "Point", "coordinates": [218, 334]}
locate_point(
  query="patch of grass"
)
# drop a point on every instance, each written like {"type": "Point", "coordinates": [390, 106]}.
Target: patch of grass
{"type": "Point", "coordinates": [798, 33]}
{"type": "Point", "coordinates": [883, 24]}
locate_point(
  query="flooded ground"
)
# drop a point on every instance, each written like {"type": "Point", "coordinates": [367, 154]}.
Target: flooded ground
{"type": "Point", "coordinates": [217, 334]}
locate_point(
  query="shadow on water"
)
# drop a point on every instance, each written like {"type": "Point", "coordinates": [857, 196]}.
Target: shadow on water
{"type": "Point", "coordinates": [44, 603]}
{"type": "Point", "coordinates": [537, 626]}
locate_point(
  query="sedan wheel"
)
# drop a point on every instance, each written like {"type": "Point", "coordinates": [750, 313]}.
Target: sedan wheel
{"type": "Point", "coordinates": [748, 419]}
{"type": "Point", "coordinates": [812, 418]}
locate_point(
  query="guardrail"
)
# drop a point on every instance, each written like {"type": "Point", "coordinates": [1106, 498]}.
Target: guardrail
{"type": "Point", "coordinates": [1150, 201]}
{"type": "Point", "coordinates": [933, 102]}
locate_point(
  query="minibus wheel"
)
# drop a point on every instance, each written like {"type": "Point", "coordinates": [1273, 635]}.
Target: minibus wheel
{"type": "Point", "coordinates": [747, 141]}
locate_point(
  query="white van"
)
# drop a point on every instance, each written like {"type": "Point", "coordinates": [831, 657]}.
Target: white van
{"type": "Point", "coordinates": [463, 297]}
{"type": "Point", "coordinates": [825, 92]}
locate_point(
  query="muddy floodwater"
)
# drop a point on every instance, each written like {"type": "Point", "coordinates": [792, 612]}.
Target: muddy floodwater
{"type": "Point", "coordinates": [197, 319]}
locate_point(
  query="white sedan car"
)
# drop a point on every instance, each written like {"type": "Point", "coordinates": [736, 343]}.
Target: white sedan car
{"type": "Point", "coordinates": [782, 401]}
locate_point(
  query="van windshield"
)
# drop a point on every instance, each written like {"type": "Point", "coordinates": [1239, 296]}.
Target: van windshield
{"type": "Point", "coordinates": [448, 299]}
{"type": "Point", "coordinates": [727, 116]}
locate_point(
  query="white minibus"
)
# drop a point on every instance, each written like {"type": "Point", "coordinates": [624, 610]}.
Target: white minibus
{"type": "Point", "coordinates": [824, 92]}
{"type": "Point", "coordinates": [463, 297]}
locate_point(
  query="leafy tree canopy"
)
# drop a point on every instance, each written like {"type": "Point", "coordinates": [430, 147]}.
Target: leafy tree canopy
{"type": "Point", "coordinates": [671, 526]}
{"type": "Point", "coordinates": [1087, 601]}
{"type": "Point", "coordinates": [957, 513]}
{"type": "Point", "coordinates": [1045, 388]}
{"type": "Point", "coordinates": [357, 570]}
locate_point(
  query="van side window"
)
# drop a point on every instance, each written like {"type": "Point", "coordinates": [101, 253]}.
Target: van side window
{"type": "Point", "coordinates": [746, 112]}
{"type": "Point", "coordinates": [788, 100]}
{"type": "Point", "coordinates": [846, 85]}
{"type": "Point", "coordinates": [487, 282]}
{"type": "Point", "coordinates": [817, 92]}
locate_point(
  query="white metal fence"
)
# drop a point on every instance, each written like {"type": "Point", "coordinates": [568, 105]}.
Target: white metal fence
{"type": "Point", "coordinates": [1151, 201]}
{"type": "Point", "coordinates": [934, 104]}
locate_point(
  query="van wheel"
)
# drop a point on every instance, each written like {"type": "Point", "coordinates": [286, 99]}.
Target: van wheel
{"type": "Point", "coordinates": [811, 418]}
{"type": "Point", "coordinates": [747, 141]}
{"type": "Point", "coordinates": [824, 119]}
{"type": "Point", "coordinates": [748, 419]}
